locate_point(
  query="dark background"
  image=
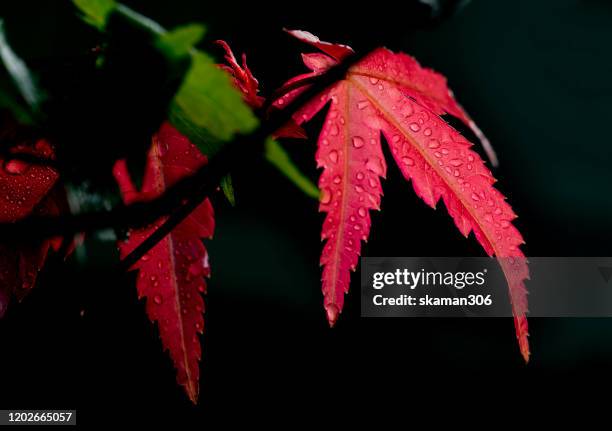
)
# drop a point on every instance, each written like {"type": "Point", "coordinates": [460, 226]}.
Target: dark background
{"type": "Point", "coordinates": [535, 75]}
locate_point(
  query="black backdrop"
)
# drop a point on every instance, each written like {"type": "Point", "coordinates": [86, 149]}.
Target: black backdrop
{"type": "Point", "coordinates": [534, 75]}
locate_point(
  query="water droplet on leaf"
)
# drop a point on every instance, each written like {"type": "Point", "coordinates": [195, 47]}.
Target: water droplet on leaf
{"type": "Point", "coordinates": [358, 142]}
{"type": "Point", "coordinates": [408, 161]}
{"type": "Point", "coordinates": [333, 156]}
{"type": "Point", "coordinates": [16, 167]}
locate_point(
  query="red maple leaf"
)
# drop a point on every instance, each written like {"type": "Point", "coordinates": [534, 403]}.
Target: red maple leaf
{"type": "Point", "coordinates": [25, 188]}
{"type": "Point", "coordinates": [391, 94]}
{"type": "Point", "coordinates": [171, 275]}
{"type": "Point", "coordinates": [23, 185]}
{"type": "Point", "coordinates": [243, 77]}
{"type": "Point", "coordinates": [247, 84]}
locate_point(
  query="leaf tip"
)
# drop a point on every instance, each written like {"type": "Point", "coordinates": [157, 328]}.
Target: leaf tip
{"type": "Point", "coordinates": [525, 350]}
{"type": "Point", "coordinates": [191, 389]}
{"type": "Point", "coordinates": [522, 335]}
{"type": "Point", "coordinates": [524, 346]}
{"type": "Point", "coordinates": [332, 314]}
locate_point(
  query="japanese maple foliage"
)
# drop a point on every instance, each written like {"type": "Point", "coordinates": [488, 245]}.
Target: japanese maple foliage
{"type": "Point", "coordinates": [384, 95]}
{"type": "Point", "coordinates": [24, 185]}
{"type": "Point", "coordinates": [243, 77]}
{"type": "Point", "coordinates": [391, 94]}
{"type": "Point", "coordinates": [171, 275]}
{"type": "Point", "coordinates": [26, 188]}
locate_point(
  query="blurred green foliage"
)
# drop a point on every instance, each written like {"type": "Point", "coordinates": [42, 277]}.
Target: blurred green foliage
{"type": "Point", "coordinates": [23, 86]}
{"type": "Point", "coordinates": [279, 158]}
{"type": "Point", "coordinates": [207, 107]}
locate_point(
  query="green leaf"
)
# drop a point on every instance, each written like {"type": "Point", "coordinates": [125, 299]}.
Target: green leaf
{"type": "Point", "coordinates": [279, 158]}
{"type": "Point", "coordinates": [228, 189]}
{"type": "Point", "coordinates": [140, 21]}
{"type": "Point", "coordinates": [96, 12]}
{"type": "Point", "coordinates": [207, 108]}
{"type": "Point", "coordinates": [180, 41]}
{"type": "Point", "coordinates": [19, 73]}
{"type": "Point", "coordinates": [208, 100]}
